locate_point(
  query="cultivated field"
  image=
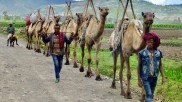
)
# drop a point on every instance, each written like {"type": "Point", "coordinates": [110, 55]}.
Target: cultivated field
{"type": "Point", "coordinates": [171, 42]}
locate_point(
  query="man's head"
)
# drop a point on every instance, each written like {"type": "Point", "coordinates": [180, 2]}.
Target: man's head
{"type": "Point", "coordinates": [56, 28]}
{"type": "Point", "coordinates": [152, 40]}
{"type": "Point", "coordinates": [11, 24]}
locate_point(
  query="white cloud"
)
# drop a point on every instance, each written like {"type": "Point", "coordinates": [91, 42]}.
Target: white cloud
{"type": "Point", "coordinates": [165, 2]}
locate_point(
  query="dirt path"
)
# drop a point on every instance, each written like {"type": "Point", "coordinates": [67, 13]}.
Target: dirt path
{"type": "Point", "coordinates": [26, 76]}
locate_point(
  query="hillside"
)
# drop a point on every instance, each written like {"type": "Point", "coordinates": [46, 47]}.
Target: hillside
{"type": "Point", "coordinates": [163, 14]}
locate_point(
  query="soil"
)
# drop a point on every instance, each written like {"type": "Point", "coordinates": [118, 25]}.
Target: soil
{"type": "Point", "coordinates": [27, 76]}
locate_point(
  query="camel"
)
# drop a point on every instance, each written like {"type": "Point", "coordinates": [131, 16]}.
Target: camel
{"type": "Point", "coordinates": [30, 30]}
{"type": "Point", "coordinates": [79, 24]}
{"type": "Point", "coordinates": [91, 34]}
{"type": "Point", "coordinates": [38, 30]}
{"type": "Point", "coordinates": [48, 28]}
{"type": "Point", "coordinates": [131, 42]}
{"type": "Point", "coordinates": [30, 34]}
{"type": "Point", "coordinates": [69, 26]}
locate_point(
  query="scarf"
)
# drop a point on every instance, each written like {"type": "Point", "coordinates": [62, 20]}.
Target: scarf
{"type": "Point", "coordinates": [61, 40]}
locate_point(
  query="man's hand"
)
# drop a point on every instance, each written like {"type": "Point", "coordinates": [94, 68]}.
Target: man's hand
{"type": "Point", "coordinates": [72, 34]}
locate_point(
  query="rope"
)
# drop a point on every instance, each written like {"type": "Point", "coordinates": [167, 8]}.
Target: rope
{"type": "Point", "coordinates": [93, 9]}
{"type": "Point", "coordinates": [123, 7]}
{"type": "Point", "coordinates": [117, 17]}
{"type": "Point", "coordinates": [86, 7]}
{"type": "Point", "coordinates": [132, 9]}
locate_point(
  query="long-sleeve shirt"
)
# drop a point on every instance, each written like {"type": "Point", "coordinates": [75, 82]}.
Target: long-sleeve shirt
{"type": "Point", "coordinates": [50, 39]}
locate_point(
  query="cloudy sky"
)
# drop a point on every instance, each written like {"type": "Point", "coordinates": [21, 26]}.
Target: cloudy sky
{"type": "Point", "coordinates": [157, 2]}
{"type": "Point", "coordinates": [165, 2]}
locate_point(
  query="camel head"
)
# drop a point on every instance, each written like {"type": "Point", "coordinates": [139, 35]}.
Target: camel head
{"type": "Point", "coordinates": [79, 18]}
{"type": "Point", "coordinates": [104, 11]}
{"type": "Point", "coordinates": [56, 19]}
{"type": "Point", "coordinates": [148, 18]}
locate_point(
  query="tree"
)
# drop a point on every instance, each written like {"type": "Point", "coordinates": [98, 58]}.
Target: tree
{"type": "Point", "coordinates": [5, 15]}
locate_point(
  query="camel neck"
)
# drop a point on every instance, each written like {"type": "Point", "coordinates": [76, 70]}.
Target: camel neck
{"type": "Point", "coordinates": [146, 28]}
{"type": "Point", "coordinates": [100, 28]}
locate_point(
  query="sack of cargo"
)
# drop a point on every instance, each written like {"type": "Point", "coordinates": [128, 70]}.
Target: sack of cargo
{"type": "Point", "coordinates": [33, 18]}
{"type": "Point", "coordinates": [28, 20]}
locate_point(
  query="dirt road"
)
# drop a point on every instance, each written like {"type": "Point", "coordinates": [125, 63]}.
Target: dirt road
{"type": "Point", "coordinates": [26, 76]}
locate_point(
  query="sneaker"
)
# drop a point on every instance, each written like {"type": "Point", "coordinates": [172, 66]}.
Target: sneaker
{"type": "Point", "coordinates": [57, 81]}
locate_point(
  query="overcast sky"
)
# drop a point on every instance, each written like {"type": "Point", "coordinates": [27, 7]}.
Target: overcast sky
{"type": "Point", "coordinates": [165, 2]}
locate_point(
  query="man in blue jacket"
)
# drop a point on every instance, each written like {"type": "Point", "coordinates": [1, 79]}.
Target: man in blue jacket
{"type": "Point", "coordinates": [57, 40]}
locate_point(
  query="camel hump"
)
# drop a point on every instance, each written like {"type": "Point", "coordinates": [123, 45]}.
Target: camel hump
{"type": "Point", "coordinates": [136, 23]}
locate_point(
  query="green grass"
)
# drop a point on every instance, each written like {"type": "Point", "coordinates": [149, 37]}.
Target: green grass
{"type": "Point", "coordinates": [172, 70]}
{"type": "Point", "coordinates": [173, 41]}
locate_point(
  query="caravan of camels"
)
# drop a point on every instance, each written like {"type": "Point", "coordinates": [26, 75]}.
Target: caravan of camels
{"type": "Point", "coordinates": [87, 30]}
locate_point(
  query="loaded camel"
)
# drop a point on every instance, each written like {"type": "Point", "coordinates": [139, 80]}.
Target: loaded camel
{"type": "Point", "coordinates": [48, 28]}
{"type": "Point", "coordinates": [92, 35]}
{"type": "Point", "coordinates": [69, 27]}
{"type": "Point", "coordinates": [30, 29]}
{"type": "Point", "coordinates": [131, 42]}
{"type": "Point", "coordinates": [38, 30]}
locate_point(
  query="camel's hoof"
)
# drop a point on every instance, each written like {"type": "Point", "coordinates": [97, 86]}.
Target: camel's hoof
{"type": "Point", "coordinates": [88, 75]}
{"type": "Point", "coordinates": [67, 63]}
{"type": "Point", "coordinates": [128, 95]}
{"type": "Point", "coordinates": [113, 86]}
{"type": "Point", "coordinates": [75, 65]}
{"type": "Point", "coordinates": [122, 93]}
{"type": "Point", "coordinates": [98, 78]}
{"type": "Point", "coordinates": [142, 99]}
{"type": "Point", "coordinates": [38, 50]}
{"type": "Point", "coordinates": [81, 69]}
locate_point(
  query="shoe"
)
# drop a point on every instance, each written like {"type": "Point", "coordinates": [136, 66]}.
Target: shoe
{"type": "Point", "coordinates": [57, 81]}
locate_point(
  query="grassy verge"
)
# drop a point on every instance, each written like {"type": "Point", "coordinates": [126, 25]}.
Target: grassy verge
{"type": "Point", "coordinates": [173, 72]}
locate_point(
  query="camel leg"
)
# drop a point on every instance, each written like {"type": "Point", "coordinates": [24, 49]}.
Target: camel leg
{"type": "Point", "coordinates": [44, 53]}
{"type": "Point", "coordinates": [27, 38]}
{"type": "Point", "coordinates": [35, 45]}
{"type": "Point", "coordinates": [98, 78]}
{"type": "Point", "coordinates": [83, 54]}
{"type": "Point", "coordinates": [89, 71]}
{"type": "Point", "coordinates": [113, 85]}
{"type": "Point", "coordinates": [31, 37]}
{"type": "Point", "coordinates": [122, 60]}
{"type": "Point", "coordinates": [143, 95]}
{"type": "Point", "coordinates": [128, 92]}
{"type": "Point", "coordinates": [74, 55]}
{"type": "Point", "coordinates": [47, 50]}
{"type": "Point", "coordinates": [38, 44]}
{"type": "Point", "coordinates": [67, 54]}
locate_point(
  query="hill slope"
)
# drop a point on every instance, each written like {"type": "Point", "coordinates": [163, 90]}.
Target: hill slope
{"type": "Point", "coordinates": [163, 14]}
